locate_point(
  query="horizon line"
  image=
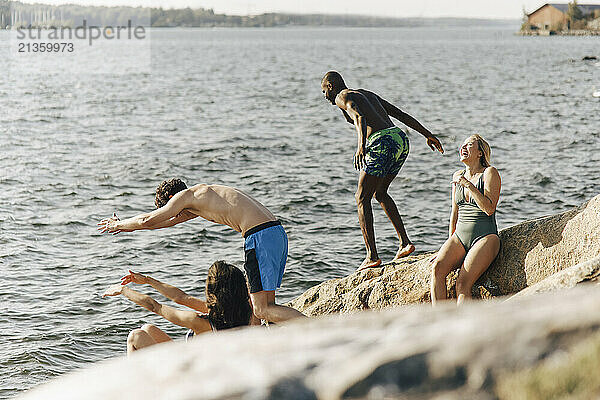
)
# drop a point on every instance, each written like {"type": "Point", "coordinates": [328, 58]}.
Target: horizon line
{"type": "Point", "coordinates": [70, 3]}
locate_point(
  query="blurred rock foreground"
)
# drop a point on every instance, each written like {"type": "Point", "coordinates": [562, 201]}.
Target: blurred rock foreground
{"type": "Point", "coordinates": [543, 342]}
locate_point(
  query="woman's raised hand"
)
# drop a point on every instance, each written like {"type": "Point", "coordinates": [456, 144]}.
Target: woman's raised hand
{"type": "Point", "coordinates": [114, 290]}
{"type": "Point", "coordinates": [134, 277]}
{"type": "Point", "coordinates": [462, 181]}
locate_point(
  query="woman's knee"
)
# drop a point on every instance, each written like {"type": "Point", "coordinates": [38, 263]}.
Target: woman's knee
{"type": "Point", "coordinates": [439, 269]}
{"type": "Point", "coordinates": [135, 335]}
{"type": "Point", "coordinates": [148, 328]}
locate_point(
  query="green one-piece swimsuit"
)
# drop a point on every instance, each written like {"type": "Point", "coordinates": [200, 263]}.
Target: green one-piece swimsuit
{"type": "Point", "coordinates": [473, 224]}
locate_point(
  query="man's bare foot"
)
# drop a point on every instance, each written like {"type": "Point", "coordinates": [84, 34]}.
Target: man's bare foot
{"type": "Point", "coordinates": [404, 251]}
{"type": "Point", "coordinates": [369, 264]}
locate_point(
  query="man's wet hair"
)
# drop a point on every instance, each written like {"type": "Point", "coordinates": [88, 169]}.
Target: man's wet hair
{"type": "Point", "coordinates": [227, 297]}
{"type": "Point", "coordinates": [168, 189]}
{"type": "Point", "coordinates": [334, 78]}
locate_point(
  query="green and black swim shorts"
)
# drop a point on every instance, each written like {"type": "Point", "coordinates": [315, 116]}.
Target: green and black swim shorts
{"type": "Point", "coordinates": [386, 152]}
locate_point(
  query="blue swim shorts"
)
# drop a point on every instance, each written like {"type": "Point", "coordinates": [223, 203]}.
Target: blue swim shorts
{"type": "Point", "coordinates": [266, 249]}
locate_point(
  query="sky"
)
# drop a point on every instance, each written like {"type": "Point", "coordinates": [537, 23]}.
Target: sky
{"type": "Point", "coordinates": [391, 8]}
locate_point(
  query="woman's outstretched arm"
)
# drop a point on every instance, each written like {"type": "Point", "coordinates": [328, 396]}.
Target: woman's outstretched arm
{"type": "Point", "coordinates": [186, 319]}
{"type": "Point", "coordinates": [169, 291]}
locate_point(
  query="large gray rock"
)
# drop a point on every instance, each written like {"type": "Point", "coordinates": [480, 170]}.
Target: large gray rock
{"type": "Point", "coordinates": [397, 284]}
{"type": "Point", "coordinates": [531, 252]}
{"type": "Point", "coordinates": [415, 352]}
{"type": "Point", "coordinates": [588, 271]}
{"type": "Point", "coordinates": [534, 250]}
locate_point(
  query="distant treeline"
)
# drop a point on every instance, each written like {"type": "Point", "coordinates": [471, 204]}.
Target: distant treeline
{"type": "Point", "coordinates": [15, 14]}
{"type": "Point", "coordinates": [203, 18]}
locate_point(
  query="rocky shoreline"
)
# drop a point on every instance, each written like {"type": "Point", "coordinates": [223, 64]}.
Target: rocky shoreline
{"type": "Point", "coordinates": [572, 32]}
{"type": "Point", "coordinates": [373, 338]}
{"type": "Point", "coordinates": [531, 252]}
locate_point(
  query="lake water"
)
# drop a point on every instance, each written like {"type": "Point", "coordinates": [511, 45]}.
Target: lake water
{"type": "Point", "coordinates": [243, 107]}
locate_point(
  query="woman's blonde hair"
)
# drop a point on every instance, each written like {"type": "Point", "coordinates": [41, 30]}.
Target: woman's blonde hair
{"type": "Point", "coordinates": [486, 150]}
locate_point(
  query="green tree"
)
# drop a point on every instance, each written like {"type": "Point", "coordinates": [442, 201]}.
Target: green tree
{"type": "Point", "coordinates": [525, 20]}
{"type": "Point", "coordinates": [574, 13]}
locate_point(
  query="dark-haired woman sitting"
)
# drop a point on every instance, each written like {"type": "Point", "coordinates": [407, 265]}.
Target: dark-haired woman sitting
{"type": "Point", "coordinates": [227, 304]}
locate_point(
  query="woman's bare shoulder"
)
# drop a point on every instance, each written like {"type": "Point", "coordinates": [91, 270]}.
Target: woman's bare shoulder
{"type": "Point", "coordinates": [491, 172]}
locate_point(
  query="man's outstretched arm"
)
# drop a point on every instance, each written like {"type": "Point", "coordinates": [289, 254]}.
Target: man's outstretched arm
{"type": "Point", "coordinates": [183, 216]}
{"type": "Point", "coordinates": [170, 214]}
{"type": "Point", "coordinates": [411, 122]}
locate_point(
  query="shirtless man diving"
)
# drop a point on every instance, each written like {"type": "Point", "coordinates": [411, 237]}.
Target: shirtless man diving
{"type": "Point", "coordinates": [265, 244]}
{"type": "Point", "coordinates": [381, 151]}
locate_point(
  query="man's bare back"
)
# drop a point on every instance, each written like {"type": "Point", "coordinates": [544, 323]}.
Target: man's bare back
{"type": "Point", "coordinates": [370, 106]}
{"type": "Point", "coordinates": [227, 206]}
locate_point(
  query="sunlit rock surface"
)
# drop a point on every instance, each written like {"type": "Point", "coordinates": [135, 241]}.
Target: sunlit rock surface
{"type": "Point", "coordinates": [588, 271]}
{"type": "Point", "coordinates": [531, 252]}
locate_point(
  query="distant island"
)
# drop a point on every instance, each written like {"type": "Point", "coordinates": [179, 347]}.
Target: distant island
{"type": "Point", "coordinates": [15, 14]}
{"type": "Point", "coordinates": [562, 19]}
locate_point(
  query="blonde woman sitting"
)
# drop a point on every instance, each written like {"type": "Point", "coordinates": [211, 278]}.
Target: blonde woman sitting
{"type": "Point", "coordinates": [474, 242]}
